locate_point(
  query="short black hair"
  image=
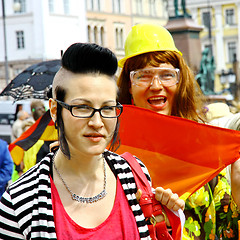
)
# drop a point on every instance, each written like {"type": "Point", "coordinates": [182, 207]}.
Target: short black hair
{"type": "Point", "coordinates": [85, 58]}
{"type": "Point", "coordinates": [89, 58]}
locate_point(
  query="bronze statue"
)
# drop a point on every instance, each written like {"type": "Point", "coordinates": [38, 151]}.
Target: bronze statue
{"type": "Point", "coordinates": [206, 76]}
{"type": "Point", "coordinates": [183, 4]}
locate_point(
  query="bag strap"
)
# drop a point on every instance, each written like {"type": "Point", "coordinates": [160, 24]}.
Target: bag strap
{"type": "Point", "coordinates": [139, 175]}
{"type": "Point", "coordinates": [150, 206]}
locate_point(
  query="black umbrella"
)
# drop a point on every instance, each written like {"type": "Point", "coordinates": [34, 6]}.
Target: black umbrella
{"type": "Point", "coordinates": [33, 82]}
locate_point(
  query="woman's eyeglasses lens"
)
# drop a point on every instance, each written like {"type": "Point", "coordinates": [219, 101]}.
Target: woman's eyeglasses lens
{"type": "Point", "coordinates": [106, 112]}
{"type": "Point", "coordinates": [144, 77]}
{"type": "Point", "coordinates": [84, 111]}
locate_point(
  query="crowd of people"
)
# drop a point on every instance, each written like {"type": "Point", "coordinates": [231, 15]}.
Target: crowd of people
{"type": "Point", "coordinates": [90, 190]}
{"type": "Point", "coordinates": [39, 149]}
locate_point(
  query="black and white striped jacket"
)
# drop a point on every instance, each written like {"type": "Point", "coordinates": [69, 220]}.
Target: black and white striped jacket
{"type": "Point", "coordinates": [26, 207]}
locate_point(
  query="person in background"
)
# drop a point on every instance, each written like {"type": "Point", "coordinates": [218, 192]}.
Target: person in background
{"type": "Point", "coordinates": [6, 166]}
{"type": "Point", "coordinates": [218, 114]}
{"type": "Point", "coordinates": [37, 109]}
{"type": "Point", "coordinates": [40, 149]}
{"type": "Point", "coordinates": [155, 76]}
{"type": "Point", "coordinates": [234, 171]}
{"type": "Point", "coordinates": [17, 125]}
{"type": "Point", "coordinates": [82, 191]}
{"type": "Point", "coordinates": [228, 120]}
{"type": "Point", "coordinates": [19, 107]}
{"type": "Point", "coordinates": [27, 123]}
{"type": "Point", "coordinates": [29, 158]}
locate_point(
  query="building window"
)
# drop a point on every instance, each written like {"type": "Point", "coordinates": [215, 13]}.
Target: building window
{"type": "Point", "coordinates": [116, 37]}
{"type": "Point", "coordinates": [20, 40]}
{"type": "Point", "coordinates": [21, 6]}
{"type": "Point", "coordinates": [139, 9]}
{"type": "Point", "coordinates": [17, 71]}
{"type": "Point", "coordinates": [89, 32]}
{"type": "Point", "coordinates": [206, 18]}
{"type": "Point", "coordinates": [152, 8]}
{"type": "Point", "coordinates": [93, 5]}
{"type": "Point", "coordinates": [66, 7]}
{"type": "Point", "coordinates": [229, 16]}
{"type": "Point", "coordinates": [89, 4]}
{"type": "Point", "coordinates": [232, 50]}
{"type": "Point", "coordinates": [95, 34]}
{"type": "Point", "coordinates": [51, 6]}
{"type": "Point", "coordinates": [119, 38]}
{"type": "Point", "coordinates": [117, 6]}
{"type": "Point", "coordinates": [102, 43]}
{"type": "Point", "coordinates": [98, 5]}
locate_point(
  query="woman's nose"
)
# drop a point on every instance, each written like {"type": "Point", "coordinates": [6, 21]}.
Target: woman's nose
{"type": "Point", "coordinates": [96, 120]}
{"type": "Point", "coordinates": [156, 83]}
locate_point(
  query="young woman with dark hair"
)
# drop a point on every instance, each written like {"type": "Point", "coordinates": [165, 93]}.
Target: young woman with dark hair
{"type": "Point", "coordinates": [81, 191]}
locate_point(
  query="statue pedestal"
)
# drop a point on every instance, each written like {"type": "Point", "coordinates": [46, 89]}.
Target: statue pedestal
{"type": "Point", "coordinates": [185, 33]}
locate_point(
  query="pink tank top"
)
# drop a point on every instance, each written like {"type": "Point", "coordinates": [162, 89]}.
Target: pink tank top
{"type": "Point", "coordinates": [120, 224]}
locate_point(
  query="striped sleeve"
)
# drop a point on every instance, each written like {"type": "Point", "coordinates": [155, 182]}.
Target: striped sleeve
{"type": "Point", "coordinates": [9, 228]}
{"type": "Point", "coordinates": [26, 207]}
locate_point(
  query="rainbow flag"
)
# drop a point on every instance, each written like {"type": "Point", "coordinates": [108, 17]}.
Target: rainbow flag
{"type": "Point", "coordinates": [180, 154]}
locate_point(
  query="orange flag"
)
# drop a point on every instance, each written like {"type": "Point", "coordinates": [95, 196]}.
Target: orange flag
{"type": "Point", "coordinates": [180, 154]}
{"type": "Point", "coordinates": [42, 129]}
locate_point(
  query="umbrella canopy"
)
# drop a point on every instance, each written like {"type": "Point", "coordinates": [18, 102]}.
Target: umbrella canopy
{"type": "Point", "coordinates": [33, 82]}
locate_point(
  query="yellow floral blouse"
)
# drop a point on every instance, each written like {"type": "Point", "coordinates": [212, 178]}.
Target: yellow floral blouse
{"type": "Point", "coordinates": [212, 214]}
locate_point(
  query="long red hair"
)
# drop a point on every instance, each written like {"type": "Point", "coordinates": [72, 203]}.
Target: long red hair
{"type": "Point", "coordinates": [188, 100]}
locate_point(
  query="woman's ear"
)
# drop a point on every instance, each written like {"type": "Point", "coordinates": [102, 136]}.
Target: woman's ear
{"type": "Point", "coordinates": [53, 109]}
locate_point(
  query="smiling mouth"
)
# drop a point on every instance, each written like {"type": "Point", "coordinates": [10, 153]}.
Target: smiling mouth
{"type": "Point", "coordinates": [157, 100]}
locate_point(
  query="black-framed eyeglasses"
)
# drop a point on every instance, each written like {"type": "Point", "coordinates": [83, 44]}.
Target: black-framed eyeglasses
{"type": "Point", "coordinates": [85, 111]}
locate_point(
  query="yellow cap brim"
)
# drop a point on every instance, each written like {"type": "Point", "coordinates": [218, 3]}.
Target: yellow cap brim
{"type": "Point", "coordinates": [123, 60]}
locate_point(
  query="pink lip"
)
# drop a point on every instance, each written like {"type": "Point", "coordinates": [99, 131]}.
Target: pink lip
{"type": "Point", "coordinates": [94, 137]}
{"type": "Point", "coordinates": [157, 102]}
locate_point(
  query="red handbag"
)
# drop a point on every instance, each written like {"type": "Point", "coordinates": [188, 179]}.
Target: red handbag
{"type": "Point", "coordinates": [151, 207]}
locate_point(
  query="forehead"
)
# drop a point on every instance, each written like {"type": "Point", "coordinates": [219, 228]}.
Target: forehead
{"type": "Point", "coordinates": [85, 85]}
{"type": "Point", "coordinates": [163, 65]}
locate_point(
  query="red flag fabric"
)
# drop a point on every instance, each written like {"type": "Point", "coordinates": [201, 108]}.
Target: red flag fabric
{"type": "Point", "coordinates": [180, 154]}
{"type": "Point", "coordinates": [42, 129]}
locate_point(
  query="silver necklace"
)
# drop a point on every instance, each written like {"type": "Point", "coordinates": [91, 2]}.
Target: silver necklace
{"type": "Point", "coordinates": [96, 198]}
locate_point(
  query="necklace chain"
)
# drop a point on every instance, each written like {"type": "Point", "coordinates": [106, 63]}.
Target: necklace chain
{"type": "Point", "coordinates": [96, 198]}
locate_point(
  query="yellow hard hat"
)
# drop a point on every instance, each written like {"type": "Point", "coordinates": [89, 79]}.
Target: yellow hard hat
{"type": "Point", "coordinates": [145, 38]}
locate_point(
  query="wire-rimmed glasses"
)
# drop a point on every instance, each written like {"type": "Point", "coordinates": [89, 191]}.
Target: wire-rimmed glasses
{"type": "Point", "coordinates": [144, 77]}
